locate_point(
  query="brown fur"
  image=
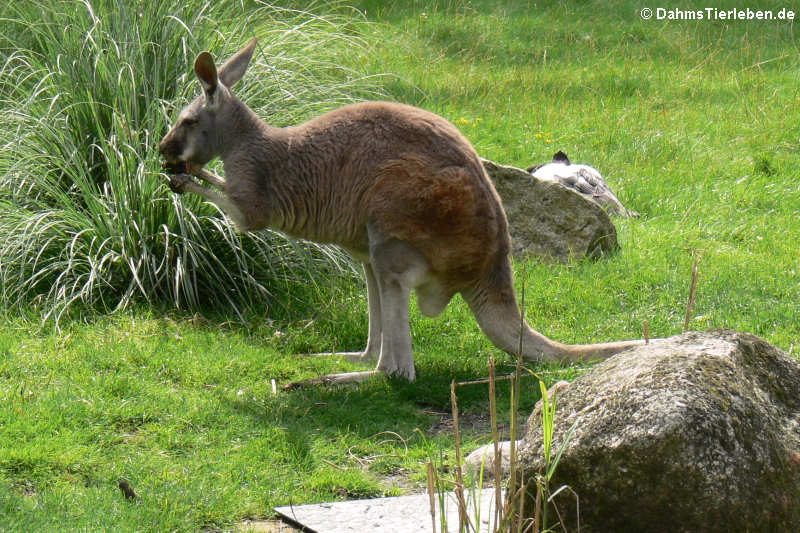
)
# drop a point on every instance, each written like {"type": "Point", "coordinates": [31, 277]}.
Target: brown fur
{"type": "Point", "coordinates": [399, 187]}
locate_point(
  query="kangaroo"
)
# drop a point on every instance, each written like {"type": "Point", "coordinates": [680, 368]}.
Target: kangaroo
{"type": "Point", "coordinates": [399, 188]}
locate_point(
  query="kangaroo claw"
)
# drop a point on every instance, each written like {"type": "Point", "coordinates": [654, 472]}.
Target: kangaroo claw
{"type": "Point", "coordinates": [177, 182]}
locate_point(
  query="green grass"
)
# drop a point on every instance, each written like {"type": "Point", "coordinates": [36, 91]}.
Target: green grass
{"type": "Point", "coordinates": [692, 123]}
{"type": "Point", "coordinates": [184, 410]}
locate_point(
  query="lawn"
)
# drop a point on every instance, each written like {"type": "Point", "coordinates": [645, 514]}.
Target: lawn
{"type": "Point", "coordinates": [693, 123]}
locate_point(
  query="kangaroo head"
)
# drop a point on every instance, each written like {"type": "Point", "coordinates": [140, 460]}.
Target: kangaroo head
{"type": "Point", "coordinates": [200, 133]}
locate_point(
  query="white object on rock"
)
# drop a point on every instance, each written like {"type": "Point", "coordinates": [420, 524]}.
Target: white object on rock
{"type": "Point", "coordinates": [582, 178]}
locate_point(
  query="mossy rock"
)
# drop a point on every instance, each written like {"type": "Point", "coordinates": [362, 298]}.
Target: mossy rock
{"type": "Point", "coordinates": [699, 432]}
{"type": "Point", "coordinates": [550, 221]}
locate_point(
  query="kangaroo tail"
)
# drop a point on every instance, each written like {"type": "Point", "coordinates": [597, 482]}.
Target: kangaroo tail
{"type": "Point", "coordinates": [494, 304]}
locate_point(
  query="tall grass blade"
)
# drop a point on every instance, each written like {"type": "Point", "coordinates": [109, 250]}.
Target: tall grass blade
{"type": "Point", "coordinates": [498, 460]}
{"type": "Point", "coordinates": [431, 473]}
{"type": "Point", "coordinates": [563, 446]}
{"type": "Point", "coordinates": [463, 519]}
{"type": "Point", "coordinates": [692, 293]}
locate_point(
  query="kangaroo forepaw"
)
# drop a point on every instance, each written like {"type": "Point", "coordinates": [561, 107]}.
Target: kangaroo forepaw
{"type": "Point", "coordinates": [178, 182]}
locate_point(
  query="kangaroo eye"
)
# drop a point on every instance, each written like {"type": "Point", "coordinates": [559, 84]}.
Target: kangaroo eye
{"type": "Point", "coordinates": [188, 122]}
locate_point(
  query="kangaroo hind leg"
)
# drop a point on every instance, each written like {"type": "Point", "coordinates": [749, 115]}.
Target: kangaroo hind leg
{"type": "Point", "coordinates": [393, 270]}
{"type": "Point", "coordinates": [370, 353]}
{"type": "Point", "coordinates": [398, 269]}
{"type": "Point", "coordinates": [373, 348]}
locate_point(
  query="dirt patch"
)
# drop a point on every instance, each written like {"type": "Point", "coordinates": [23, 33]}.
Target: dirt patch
{"type": "Point", "coordinates": [25, 488]}
{"type": "Point", "coordinates": [400, 479]}
{"type": "Point", "coordinates": [471, 424]}
{"type": "Point", "coordinates": [265, 526]}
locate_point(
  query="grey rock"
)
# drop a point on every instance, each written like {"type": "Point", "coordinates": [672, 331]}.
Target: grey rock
{"type": "Point", "coordinates": [549, 220]}
{"type": "Point", "coordinates": [695, 433]}
{"type": "Point", "coordinates": [483, 458]}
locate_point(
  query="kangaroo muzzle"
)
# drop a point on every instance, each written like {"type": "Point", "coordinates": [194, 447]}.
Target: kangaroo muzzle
{"type": "Point", "coordinates": [171, 149]}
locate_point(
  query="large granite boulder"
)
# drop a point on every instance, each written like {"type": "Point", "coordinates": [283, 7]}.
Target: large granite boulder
{"type": "Point", "coordinates": [695, 433]}
{"type": "Point", "coordinates": [549, 220]}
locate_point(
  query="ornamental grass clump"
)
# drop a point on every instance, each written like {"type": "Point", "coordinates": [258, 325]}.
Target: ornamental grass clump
{"type": "Point", "coordinates": [86, 90]}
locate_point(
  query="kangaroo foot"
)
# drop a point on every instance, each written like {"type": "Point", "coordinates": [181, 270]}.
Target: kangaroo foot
{"type": "Point", "coordinates": [333, 379]}
{"type": "Point", "coordinates": [355, 357]}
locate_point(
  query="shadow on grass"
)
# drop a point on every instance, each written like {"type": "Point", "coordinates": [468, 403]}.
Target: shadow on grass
{"type": "Point", "coordinates": [381, 404]}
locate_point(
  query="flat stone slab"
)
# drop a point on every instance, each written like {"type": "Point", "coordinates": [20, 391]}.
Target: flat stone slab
{"type": "Point", "coordinates": [401, 514]}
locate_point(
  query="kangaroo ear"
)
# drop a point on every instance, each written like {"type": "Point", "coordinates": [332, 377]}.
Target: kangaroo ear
{"type": "Point", "coordinates": [235, 67]}
{"type": "Point", "coordinates": [207, 73]}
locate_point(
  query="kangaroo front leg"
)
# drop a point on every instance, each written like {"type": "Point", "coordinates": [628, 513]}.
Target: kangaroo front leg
{"type": "Point", "coordinates": [209, 177]}
{"type": "Point", "coordinates": [181, 183]}
{"type": "Point", "coordinates": [373, 349]}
